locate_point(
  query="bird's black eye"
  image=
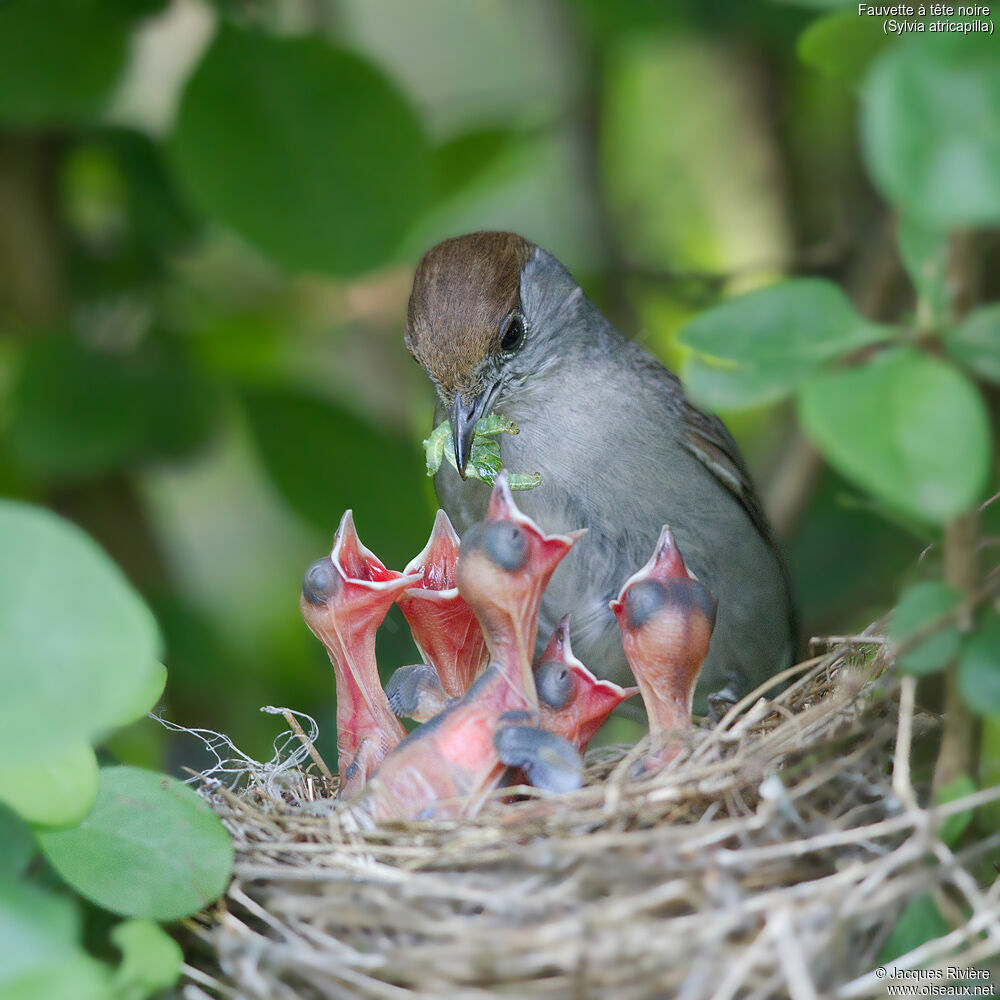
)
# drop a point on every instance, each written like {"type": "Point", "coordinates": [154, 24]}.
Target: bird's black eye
{"type": "Point", "coordinates": [512, 333]}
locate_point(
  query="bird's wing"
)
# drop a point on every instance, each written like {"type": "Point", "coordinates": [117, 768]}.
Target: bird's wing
{"type": "Point", "coordinates": [706, 437]}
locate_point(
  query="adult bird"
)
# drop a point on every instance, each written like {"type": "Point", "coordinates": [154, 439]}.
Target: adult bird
{"type": "Point", "coordinates": [500, 325]}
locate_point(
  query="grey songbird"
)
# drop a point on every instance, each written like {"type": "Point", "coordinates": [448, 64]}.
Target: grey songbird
{"type": "Point", "coordinates": [500, 325]}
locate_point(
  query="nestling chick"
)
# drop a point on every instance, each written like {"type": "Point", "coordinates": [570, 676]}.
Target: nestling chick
{"type": "Point", "coordinates": [449, 765]}
{"type": "Point", "coordinates": [498, 323]}
{"type": "Point", "coordinates": [444, 628]}
{"type": "Point", "coordinates": [666, 616]}
{"type": "Point", "coordinates": [345, 598]}
{"type": "Point", "coordinates": [573, 702]}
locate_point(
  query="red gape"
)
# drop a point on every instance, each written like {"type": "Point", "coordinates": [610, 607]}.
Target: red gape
{"type": "Point", "coordinates": [444, 627]}
{"type": "Point", "coordinates": [573, 702]}
{"type": "Point", "coordinates": [666, 616]}
{"type": "Point", "coordinates": [503, 567]}
{"type": "Point", "coordinates": [345, 598]}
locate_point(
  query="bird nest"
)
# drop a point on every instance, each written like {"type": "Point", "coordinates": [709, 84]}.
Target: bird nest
{"type": "Point", "coordinates": [772, 857]}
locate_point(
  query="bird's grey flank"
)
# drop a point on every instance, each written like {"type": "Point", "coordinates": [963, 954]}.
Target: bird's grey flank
{"type": "Point", "coordinates": [500, 325]}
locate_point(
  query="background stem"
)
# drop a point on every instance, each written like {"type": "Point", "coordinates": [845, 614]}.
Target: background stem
{"type": "Point", "coordinates": [957, 753]}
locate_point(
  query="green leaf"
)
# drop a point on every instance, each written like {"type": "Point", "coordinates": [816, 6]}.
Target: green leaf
{"type": "Point", "coordinates": [80, 412]}
{"type": "Point", "coordinates": [144, 695]}
{"type": "Point", "coordinates": [975, 343]}
{"type": "Point", "coordinates": [76, 641]}
{"type": "Point", "coordinates": [842, 45]}
{"type": "Point", "coordinates": [930, 124]}
{"type": "Point", "coordinates": [436, 445]}
{"type": "Point", "coordinates": [484, 457]}
{"type": "Point", "coordinates": [808, 320]}
{"type": "Point", "coordinates": [925, 257]}
{"type": "Point", "coordinates": [917, 608]}
{"type": "Point", "coordinates": [150, 847]}
{"type": "Point", "coordinates": [18, 844]}
{"type": "Point", "coordinates": [764, 344]}
{"type": "Point", "coordinates": [719, 384]}
{"type": "Point", "coordinates": [122, 210]}
{"type": "Point", "coordinates": [954, 826]}
{"type": "Point", "coordinates": [72, 977]}
{"type": "Point", "coordinates": [340, 461]}
{"type": "Point", "coordinates": [979, 667]}
{"type": "Point", "coordinates": [305, 150]}
{"type": "Point", "coordinates": [151, 959]}
{"type": "Point", "coordinates": [59, 59]}
{"type": "Point", "coordinates": [36, 928]}
{"type": "Point", "coordinates": [911, 429]}
{"type": "Point", "coordinates": [56, 789]}
{"type": "Point", "coordinates": [920, 922]}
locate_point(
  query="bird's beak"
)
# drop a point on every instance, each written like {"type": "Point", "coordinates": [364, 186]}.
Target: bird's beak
{"type": "Point", "coordinates": [464, 414]}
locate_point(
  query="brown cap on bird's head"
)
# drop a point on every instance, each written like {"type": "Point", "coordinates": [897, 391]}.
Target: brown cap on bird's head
{"type": "Point", "coordinates": [463, 290]}
{"type": "Point", "coordinates": [666, 616]}
{"type": "Point", "coordinates": [464, 318]}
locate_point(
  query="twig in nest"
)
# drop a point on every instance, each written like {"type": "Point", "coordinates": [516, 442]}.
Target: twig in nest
{"type": "Point", "coordinates": [901, 783]}
{"type": "Point", "coordinates": [694, 883]}
{"type": "Point", "coordinates": [314, 754]}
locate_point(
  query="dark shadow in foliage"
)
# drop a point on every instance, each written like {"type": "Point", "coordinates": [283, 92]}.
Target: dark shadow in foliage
{"type": "Point", "coordinates": [124, 212]}
{"type": "Point", "coordinates": [80, 412]}
{"type": "Point", "coordinates": [846, 558]}
{"type": "Point", "coordinates": [324, 459]}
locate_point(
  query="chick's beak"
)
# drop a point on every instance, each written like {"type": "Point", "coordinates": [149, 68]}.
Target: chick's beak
{"type": "Point", "coordinates": [464, 414]}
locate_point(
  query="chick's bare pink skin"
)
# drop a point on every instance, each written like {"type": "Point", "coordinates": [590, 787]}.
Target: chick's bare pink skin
{"type": "Point", "coordinates": [666, 616]}
{"type": "Point", "coordinates": [443, 625]}
{"type": "Point", "coordinates": [345, 597]}
{"type": "Point", "coordinates": [504, 564]}
{"type": "Point", "coordinates": [450, 764]}
{"type": "Point", "coordinates": [573, 702]}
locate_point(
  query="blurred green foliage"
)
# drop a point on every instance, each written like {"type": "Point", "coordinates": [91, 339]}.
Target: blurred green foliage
{"type": "Point", "coordinates": [909, 428]}
{"type": "Point", "coordinates": [135, 842]}
{"type": "Point", "coordinates": [324, 183]}
{"type": "Point", "coordinates": [99, 648]}
{"type": "Point", "coordinates": [209, 215]}
{"type": "Point", "coordinates": [150, 847]}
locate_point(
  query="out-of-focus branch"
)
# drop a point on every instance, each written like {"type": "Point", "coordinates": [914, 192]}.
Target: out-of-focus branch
{"type": "Point", "coordinates": [961, 552]}
{"type": "Point", "coordinates": [30, 234]}
{"type": "Point", "coordinates": [112, 511]}
{"type": "Point", "coordinates": [792, 483]}
{"type": "Point", "coordinates": [961, 569]}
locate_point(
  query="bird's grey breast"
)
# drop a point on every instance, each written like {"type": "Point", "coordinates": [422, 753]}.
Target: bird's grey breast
{"type": "Point", "coordinates": [563, 438]}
